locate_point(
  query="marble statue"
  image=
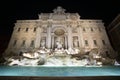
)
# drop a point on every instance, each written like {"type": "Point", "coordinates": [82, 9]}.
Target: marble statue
{"type": "Point", "coordinates": [59, 43]}
{"type": "Point", "coordinates": [75, 43]}
{"type": "Point", "coordinates": [43, 43]}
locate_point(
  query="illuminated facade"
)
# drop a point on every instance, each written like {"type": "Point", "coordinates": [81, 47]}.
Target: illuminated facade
{"type": "Point", "coordinates": [65, 29]}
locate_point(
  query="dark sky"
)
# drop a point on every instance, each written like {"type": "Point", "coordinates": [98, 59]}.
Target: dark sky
{"type": "Point", "coordinates": [12, 10]}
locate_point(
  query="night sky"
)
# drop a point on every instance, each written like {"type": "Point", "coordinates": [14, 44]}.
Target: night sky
{"type": "Point", "coordinates": [12, 10]}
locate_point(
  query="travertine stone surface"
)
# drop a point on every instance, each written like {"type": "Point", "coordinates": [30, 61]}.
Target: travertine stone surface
{"type": "Point", "coordinates": [59, 24]}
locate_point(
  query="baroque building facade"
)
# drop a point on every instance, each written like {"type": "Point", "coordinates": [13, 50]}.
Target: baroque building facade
{"type": "Point", "coordinates": [59, 27]}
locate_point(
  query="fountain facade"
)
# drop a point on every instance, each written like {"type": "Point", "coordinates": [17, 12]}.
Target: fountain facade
{"type": "Point", "coordinates": [59, 38]}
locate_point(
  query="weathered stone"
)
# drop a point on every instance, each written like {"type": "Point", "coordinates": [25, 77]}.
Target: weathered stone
{"type": "Point", "coordinates": [60, 34]}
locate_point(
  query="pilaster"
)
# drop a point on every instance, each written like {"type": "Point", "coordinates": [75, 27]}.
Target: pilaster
{"type": "Point", "coordinates": [80, 37]}
{"type": "Point", "coordinates": [69, 37]}
{"type": "Point", "coordinates": [38, 37]}
{"type": "Point", "coordinates": [66, 41]}
{"type": "Point", "coordinates": [49, 37]}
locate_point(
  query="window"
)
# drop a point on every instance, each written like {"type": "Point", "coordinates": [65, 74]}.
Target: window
{"type": "Point", "coordinates": [23, 43]}
{"type": "Point", "coordinates": [26, 29]}
{"type": "Point", "coordinates": [84, 29]}
{"type": "Point", "coordinates": [95, 42]}
{"type": "Point", "coordinates": [86, 42]}
{"type": "Point", "coordinates": [19, 29]}
{"type": "Point", "coordinates": [14, 42]}
{"type": "Point", "coordinates": [92, 29]}
{"type": "Point", "coordinates": [103, 42]}
{"type": "Point", "coordinates": [32, 43]}
{"type": "Point", "coordinates": [34, 29]}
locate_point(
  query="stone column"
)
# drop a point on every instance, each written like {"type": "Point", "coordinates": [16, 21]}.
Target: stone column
{"type": "Point", "coordinates": [69, 37]}
{"type": "Point", "coordinates": [65, 41]}
{"type": "Point", "coordinates": [49, 37]}
{"type": "Point", "coordinates": [52, 42]}
{"type": "Point", "coordinates": [38, 37]}
{"type": "Point", "coordinates": [80, 37]}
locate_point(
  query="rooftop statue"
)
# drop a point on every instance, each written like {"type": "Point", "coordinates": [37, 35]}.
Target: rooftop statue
{"type": "Point", "coordinates": [59, 10]}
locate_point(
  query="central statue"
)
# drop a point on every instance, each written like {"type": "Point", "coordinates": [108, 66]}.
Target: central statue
{"type": "Point", "coordinates": [59, 43]}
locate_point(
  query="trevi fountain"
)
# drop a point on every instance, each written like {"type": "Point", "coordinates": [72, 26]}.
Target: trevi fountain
{"type": "Point", "coordinates": [59, 39]}
{"type": "Point", "coordinates": [59, 57]}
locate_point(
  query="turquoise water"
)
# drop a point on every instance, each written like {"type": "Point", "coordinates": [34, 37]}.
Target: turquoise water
{"type": "Point", "coordinates": [59, 71]}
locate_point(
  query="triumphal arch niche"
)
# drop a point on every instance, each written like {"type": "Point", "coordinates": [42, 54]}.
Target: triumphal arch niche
{"type": "Point", "coordinates": [59, 30]}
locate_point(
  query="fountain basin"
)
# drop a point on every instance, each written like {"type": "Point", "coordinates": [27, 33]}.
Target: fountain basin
{"type": "Point", "coordinates": [59, 71]}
